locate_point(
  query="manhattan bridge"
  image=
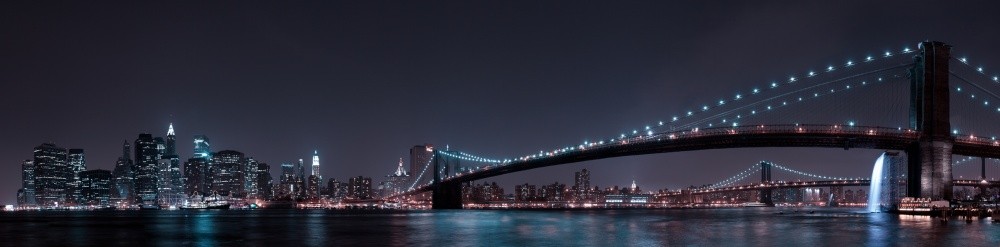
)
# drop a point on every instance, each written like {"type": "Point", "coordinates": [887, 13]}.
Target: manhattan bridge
{"type": "Point", "coordinates": [934, 109]}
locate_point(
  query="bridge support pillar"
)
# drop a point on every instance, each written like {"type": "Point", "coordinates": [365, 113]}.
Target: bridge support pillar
{"type": "Point", "coordinates": [929, 159]}
{"type": "Point", "coordinates": [765, 179]}
{"type": "Point", "coordinates": [445, 195]}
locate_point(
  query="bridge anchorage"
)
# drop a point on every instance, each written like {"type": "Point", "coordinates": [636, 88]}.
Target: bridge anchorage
{"type": "Point", "coordinates": [928, 138]}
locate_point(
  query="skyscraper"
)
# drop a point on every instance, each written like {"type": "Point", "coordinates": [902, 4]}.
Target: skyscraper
{"type": "Point", "coordinates": [51, 173]}
{"type": "Point", "coordinates": [171, 145]}
{"type": "Point", "coordinates": [287, 182]}
{"type": "Point", "coordinates": [581, 185]}
{"type": "Point", "coordinates": [202, 148]}
{"type": "Point", "coordinates": [227, 173]}
{"type": "Point", "coordinates": [250, 178]}
{"type": "Point", "coordinates": [95, 186]}
{"type": "Point", "coordinates": [315, 165]}
{"type": "Point", "coordinates": [264, 181]}
{"type": "Point", "coordinates": [146, 172]}
{"type": "Point", "coordinates": [396, 181]}
{"type": "Point", "coordinates": [359, 188]}
{"type": "Point", "coordinates": [123, 176]}
{"type": "Point", "coordinates": [195, 176]}
{"type": "Point", "coordinates": [78, 163]}
{"type": "Point", "coordinates": [27, 183]}
{"type": "Point", "coordinates": [420, 156]}
{"type": "Point", "coordinates": [175, 177]}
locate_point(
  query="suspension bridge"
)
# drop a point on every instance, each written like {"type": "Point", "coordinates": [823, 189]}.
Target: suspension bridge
{"type": "Point", "coordinates": [911, 100]}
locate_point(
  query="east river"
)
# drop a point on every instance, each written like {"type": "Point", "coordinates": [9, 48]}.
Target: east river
{"type": "Point", "coordinates": [667, 227]}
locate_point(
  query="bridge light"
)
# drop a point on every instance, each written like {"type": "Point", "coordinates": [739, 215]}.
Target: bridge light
{"type": "Point", "coordinates": [704, 108]}
{"type": "Point", "coordinates": [848, 86]}
{"type": "Point", "coordinates": [954, 131]}
{"type": "Point", "coordinates": [740, 97]}
{"type": "Point", "coordinates": [850, 123]}
{"type": "Point", "coordinates": [864, 83]}
{"type": "Point", "coordinates": [768, 107]}
{"type": "Point", "coordinates": [888, 54]}
{"type": "Point", "coordinates": [964, 60]}
{"type": "Point", "coordinates": [800, 98]}
{"type": "Point", "coordinates": [980, 69]}
{"type": "Point", "coordinates": [647, 127]}
{"type": "Point", "coordinates": [661, 123]}
{"type": "Point", "coordinates": [674, 119]}
{"type": "Point", "coordinates": [959, 89]}
{"type": "Point", "coordinates": [791, 79]}
{"type": "Point", "coordinates": [849, 63]}
{"type": "Point", "coordinates": [689, 113]}
{"type": "Point", "coordinates": [869, 59]}
{"type": "Point", "coordinates": [811, 73]}
{"type": "Point", "coordinates": [906, 50]}
{"type": "Point", "coordinates": [815, 94]}
{"type": "Point", "coordinates": [722, 102]}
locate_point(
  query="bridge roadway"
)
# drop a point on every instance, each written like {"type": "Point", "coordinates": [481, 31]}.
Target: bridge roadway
{"type": "Point", "coordinates": [798, 135]}
{"type": "Point", "coordinates": [810, 184]}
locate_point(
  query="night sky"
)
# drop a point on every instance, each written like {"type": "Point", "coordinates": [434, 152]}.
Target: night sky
{"type": "Point", "coordinates": [363, 82]}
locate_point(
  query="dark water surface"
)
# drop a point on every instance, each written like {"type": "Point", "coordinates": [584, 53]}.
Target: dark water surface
{"type": "Point", "coordinates": [690, 227]}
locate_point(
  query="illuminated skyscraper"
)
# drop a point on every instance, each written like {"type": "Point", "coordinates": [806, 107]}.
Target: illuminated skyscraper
{"type": "Point", "coordinates": [359, 188]}
{"type": "Point", "coordinates": [123, 177]}
{"type": "Point", "coordinates": [195, 176]}
{"type": "Point", "coordinates": [420, 156]}
{"type": "Point", "coordinates": [228, 173]}
{"type": "Point", "coordinates": [315, 165]}
{"type": "Point", "coordinates": [174, 174]}
{"type": "Point", "coordinates": [78, 163]}
{"type": "Point", "coordinates": [146, 172]}
{"type": "Point", "coordinates": [51, 171]}
{"type": "Point", "coordinates": [95, 187]}
{"type": "Point", "coordinates": [202, 147]}
{"type": "Point", "coordinates": [27, 184]}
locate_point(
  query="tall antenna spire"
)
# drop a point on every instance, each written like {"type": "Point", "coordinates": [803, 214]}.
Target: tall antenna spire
{"type": "Point", "coordinates": [170, 129]}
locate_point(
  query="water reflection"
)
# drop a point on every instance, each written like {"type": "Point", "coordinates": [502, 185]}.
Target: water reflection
{"type": "Point", "coordinates": [715, 227]}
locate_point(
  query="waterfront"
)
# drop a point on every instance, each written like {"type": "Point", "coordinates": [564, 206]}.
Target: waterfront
{"type": "Point", "coordinates": [701, 227]}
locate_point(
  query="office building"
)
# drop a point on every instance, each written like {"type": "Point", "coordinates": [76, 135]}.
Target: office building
{"type": "Point", "coordinates": [51, 173]}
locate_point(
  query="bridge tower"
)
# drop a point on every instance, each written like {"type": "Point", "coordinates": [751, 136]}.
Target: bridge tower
{"type": "Point", "coordinates": [445, 195]}
{"type": "Point", "coordinates": [765, 179]}
{"type": "Point", "coordinates": [929, 158]}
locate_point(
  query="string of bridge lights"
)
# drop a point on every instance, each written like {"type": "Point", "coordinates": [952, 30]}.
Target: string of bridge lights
{"type": "Point", "coordinates": [809, 174]}
{"type": "Point", "coordinates": [972, 96]}
{"type": "Point", "coordinates": [773, 85]}
{"type": "Point", "coordinates": [706, 108]}
{"type": "Point", "coordinates": [415, 181]}
{"type": "Point", "coordinates": [736, 178]}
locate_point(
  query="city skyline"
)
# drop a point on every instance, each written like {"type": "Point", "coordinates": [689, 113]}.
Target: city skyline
{"type": "Point", "coordinates": [279, 87]}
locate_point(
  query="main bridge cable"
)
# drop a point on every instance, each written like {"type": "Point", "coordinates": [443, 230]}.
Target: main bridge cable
{"type": "Point", "coordinates": [760, 102]}
{"type": "Point", "coordinates": [981, 73]}
{"type": "Point", "coordinates": [735, 178]}
{"type": "Point", "coordinates": [808, 174]}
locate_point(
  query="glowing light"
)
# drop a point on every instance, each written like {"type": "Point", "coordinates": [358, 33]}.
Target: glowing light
{"type": "Point", "coordinates": [740, 97]}
{"type": "Point", "coordinates": [850, 123]}
{"type": "Point", "coordinates": [830, 68]}
{"type": "Point", "coordinates": [758, 90]}
{"type": "Point", "coordinates": [980, 69]}
{"type": "Point", "coordinates": [689, 113]}
{"type": "Point", "coordinates": [964, 60]}
{"type": "Point", "coordinates": [722, 102]}
{"type": "Point", "coordinates": [774, 84]}
{"type": "Point", "coordinates": [888, 54]}
{"type": "Point", "coordinates": [812, 73]}
{"type": "Point", "coordinates": [849, 63]}
{"type": "Point", "coordinates": [869, 59]}
{"type": "Point", "coordinates": [674, 119]}
{"type": "Point", "coordinates": [791, 79]}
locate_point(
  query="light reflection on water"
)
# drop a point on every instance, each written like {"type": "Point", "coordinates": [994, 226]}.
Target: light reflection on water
{"type": "Point", "coordinates": [712, 227]}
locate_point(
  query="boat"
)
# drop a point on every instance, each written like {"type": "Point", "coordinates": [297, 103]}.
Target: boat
{"type": "Point", "coordinates": [754, 204]}
{"type": "Point", "coordinates": [212, 202]}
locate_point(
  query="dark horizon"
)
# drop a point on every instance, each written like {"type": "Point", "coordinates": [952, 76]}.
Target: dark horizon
{"type": "Point", "coordinates": [362, 82]}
